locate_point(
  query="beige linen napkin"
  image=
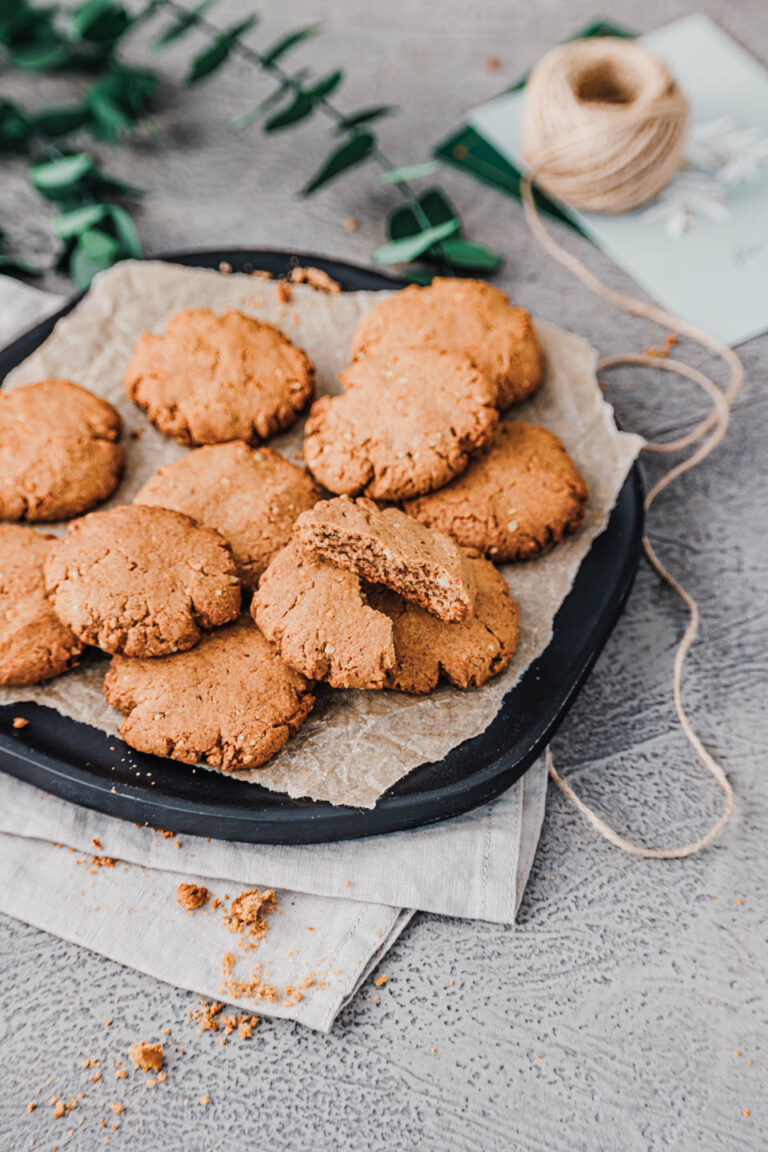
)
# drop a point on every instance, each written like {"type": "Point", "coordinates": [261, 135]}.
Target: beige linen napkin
{"type": "Point", "coordinates": [341, 906]}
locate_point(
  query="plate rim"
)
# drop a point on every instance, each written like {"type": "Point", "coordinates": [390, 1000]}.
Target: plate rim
{"type": "Point", "coordinates": [316, 821]}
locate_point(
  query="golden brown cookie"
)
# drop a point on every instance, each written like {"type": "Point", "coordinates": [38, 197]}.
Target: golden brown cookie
{"type": "Point", "coordinates": [317, 617]}
{"type": "Point", "coordinates": [141, 581]}
{"type": "Point", "coordinates": [58, 451]}
{"type": "Point", "coordinates": [252, 496]}
{"type": "Point", "coordinates": [467, 316]}
{"type": "Point", "coordinates": [405, 425]}
{"type": "Point", "coordinates": [230, 702]}
{"type": "Point", "coordinates": [467, 653]}
{"type": "Point", "coordinates": [211, 378]}
{"type": "Point", "coordinates": [34, 644]}
{"type": "Point", "coordinates": [388, 547]}
{"type": "Point", "coordinates": [519, 495]}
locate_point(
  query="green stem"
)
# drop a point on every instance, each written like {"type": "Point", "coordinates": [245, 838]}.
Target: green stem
{"type": "Point", "coordinates": [328, 109]}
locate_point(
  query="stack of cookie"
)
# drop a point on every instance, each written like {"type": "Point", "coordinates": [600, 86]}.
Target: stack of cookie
{"type": "Point", "coordinates": [388, 584]}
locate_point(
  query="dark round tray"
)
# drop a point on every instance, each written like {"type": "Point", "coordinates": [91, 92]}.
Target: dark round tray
{"type": "Point", "coordinates": [76, 762]}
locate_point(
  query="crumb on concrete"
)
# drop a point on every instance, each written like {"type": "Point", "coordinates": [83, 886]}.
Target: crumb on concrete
{"type": "Point", "coordinates": [148, 1057]}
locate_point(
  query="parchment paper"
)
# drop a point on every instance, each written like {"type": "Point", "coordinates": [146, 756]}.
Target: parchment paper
{"type": "Point", "coordinates": [354, 745]}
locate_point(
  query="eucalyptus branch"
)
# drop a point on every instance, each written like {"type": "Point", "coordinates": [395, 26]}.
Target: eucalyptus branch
{"type": "Point", "coordinates": [96, 230]}
{"type": "Point", "coordinates": [323, 104]}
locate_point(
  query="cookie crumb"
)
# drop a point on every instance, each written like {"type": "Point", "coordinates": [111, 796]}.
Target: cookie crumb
{"type": "Point", "coordinates": [148, 1057]}
{"type": "Point", "coordinates": [247, 915]}
{"type": "Point", "coordinates": [225, 267]}
{"type": "Point", "coordinates": [97, 843]}
{"type": "Point", "coordinates": [350, 224]}
{"type": "Point", "coordinates": [205, 1100]}
{"type": "Point", "coordinates": [117, 1109]}
{"type": "Point", "coordinates": [121, 1074]}
{"type": "Point", "coordinates": [380, 981]}
{"type": "Point", "coordinates": [192, 896]}
{"type": "Point", "coordinates": [315, 278]}
{"type": "Point", "coordinates": [20, 722]}
{"type": "Point", "coordinates": [31, 1106]}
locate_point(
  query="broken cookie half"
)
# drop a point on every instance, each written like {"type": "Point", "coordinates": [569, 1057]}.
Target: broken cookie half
{"type": "Point", "coordinates": [387, 547]}
{"type": "Point", "coordinates": [331, 625]}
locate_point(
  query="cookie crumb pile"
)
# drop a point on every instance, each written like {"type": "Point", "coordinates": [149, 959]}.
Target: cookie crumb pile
{"type": "Point", "coordinates": [234, 583]}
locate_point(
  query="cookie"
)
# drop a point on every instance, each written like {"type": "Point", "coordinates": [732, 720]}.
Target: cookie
{"type": "Point", "coordinates": [519, 495]}
{"type": "Point", "coordinates": [59, 454]}
{"type": "Point", "coordinates": [405, 425]}
{"type": "Point", "coordinates": [230, 702]}
{"type": "Point", "coordinates": [34, 644]}
{"type": "Point", "coordinates": [467, 316]}
{"type": "Point", "coordinates": [388, 547]}
{"type": "Point", "coordinates": [211, 378]}
{"type": "Point", "coordinates": [467, 653]}
{"type": "Point", "coordinates": [251, 496]}
{"type": "Point", "coordinates": [317, 617]}
{"type": "Point", "coordinates": [141, 581]}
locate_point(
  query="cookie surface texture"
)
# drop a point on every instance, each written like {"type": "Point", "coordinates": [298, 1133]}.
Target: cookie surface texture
{"type": "Point", "coordinates": [518, 496]}
{"type": "Point", "coordinates": [142, 581]}
{"type": "Point", "coordinates": [34, 644]}
{"type": "Point", "coordinates": [59, 454]}
{"type": "Point", "coordinates": [385, 546]}
{"type": "Point", "coordinates": [252, 496]}
{"type": "Point", "coordinates": [405, 425]}
{"type": "Point", "coordinates": [230, 702]}
{"type": "Point", "coordinates": [210, 379]}
{"type": "Point", "coordinates": [468, 316]}
{"type": "Point", "coordinates": [468, 653]}
{"type": "Point", "coordinates": [318, 618]}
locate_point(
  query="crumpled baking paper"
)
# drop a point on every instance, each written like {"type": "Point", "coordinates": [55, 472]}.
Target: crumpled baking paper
{"type": "Point", "coordinates": [354, 745]}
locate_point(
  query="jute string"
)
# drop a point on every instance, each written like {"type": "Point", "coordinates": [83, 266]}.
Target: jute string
{"type": "Point", "coordinates": [707, 434]}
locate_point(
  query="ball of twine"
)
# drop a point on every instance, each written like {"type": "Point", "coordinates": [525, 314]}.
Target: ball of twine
{"type": "Point", "coordinates": [603, 124]}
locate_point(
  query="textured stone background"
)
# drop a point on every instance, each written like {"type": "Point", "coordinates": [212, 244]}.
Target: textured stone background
{"type": "Point", "coordinates": [621, 1012]}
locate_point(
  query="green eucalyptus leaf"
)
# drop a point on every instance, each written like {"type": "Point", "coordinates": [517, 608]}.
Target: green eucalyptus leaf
{"type": "Point", "coordinates": [411, 247]}
{"type": "Point", "coordinates": [324, 87]}
{"type": "Point", "coordinates": [59, 121]}
{"type": "Point", "coordinates": [418, 276]}
{"type": "Point", "coordinates": [99, 246]}
{"type": "Point", "coordinates": [100, 183]}
{"type": "Point", "coordinates": [409, 172]}
{"type": "Point", "coordinates": [125, 230]}
{"type": "Point", "coordinates": [56, 176]}
{"type": "Point", "coordinates": [243, 119]}
{"type": "Point", "coordinates": [469, 257]}
{"type": "Point", "coordinates": [300, 106]}
{"type": "Point", "coordinates": [285, 43]}
{"type": "Point", "coordinates": [217, 52]}
{"type": "Point", "coordinates": [435, 206]}
{"type": "Point", "coordinates": [11, 264]}
{"type": "Point", "coordinates": [67, 225]}
{"type": "Point", "coordinates": [350, 153]}
{"type": "Point", "coordinates": [14, 127]}
{"type": "Point", "coordinates": [99, 22]}
{"type": "Point", "coordinates": [45, 57]}
{"type": "Point", "coordinates": [109, 117]}
{"type": "Point", "coordinates": [127, 87]}
{"type": "Point", "coordinates": [182, 24]}
{"type": "Point", "coordinates": [92, 253]}
{"type": "Point", "coordinates": [365, 116]}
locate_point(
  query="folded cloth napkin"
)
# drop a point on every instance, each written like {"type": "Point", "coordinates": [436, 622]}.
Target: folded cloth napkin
{"type": "Point", "coordinates": [111, 886]}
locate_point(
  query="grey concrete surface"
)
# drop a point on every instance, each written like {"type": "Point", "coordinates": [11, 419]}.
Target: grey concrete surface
{"type": "Point", "coordinates": [626, 1011]}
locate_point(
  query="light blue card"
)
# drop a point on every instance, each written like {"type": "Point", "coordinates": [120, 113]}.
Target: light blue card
{"type": "Point", "coordinates": [701, 248]}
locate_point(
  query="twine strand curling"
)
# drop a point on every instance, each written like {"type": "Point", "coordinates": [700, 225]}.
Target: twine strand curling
{"type": "Point", "coordinates": [630, 136]}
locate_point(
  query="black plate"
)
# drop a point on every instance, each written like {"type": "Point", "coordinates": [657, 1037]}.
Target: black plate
{"type": "Point", "coordinates": [76, 762]}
